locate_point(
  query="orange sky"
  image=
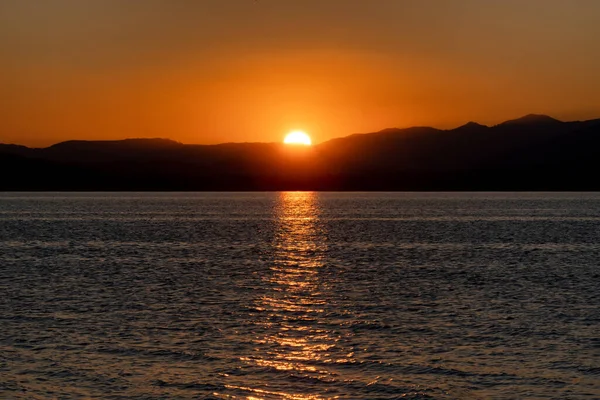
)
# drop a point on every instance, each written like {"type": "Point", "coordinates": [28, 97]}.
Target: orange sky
{"type": "Point", "coordinates": [211, 71]}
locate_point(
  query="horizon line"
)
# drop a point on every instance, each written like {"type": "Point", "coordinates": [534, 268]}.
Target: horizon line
{"type": "Point", "coordinates": [470, 122]}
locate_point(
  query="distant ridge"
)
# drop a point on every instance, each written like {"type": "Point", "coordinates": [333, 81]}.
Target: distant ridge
{"type": "Point", "coordinates": [471, 126]}
{"type": "Point", "coordinates": [534, 152]}
{"type": "Point", "coordinates": [133, 143]}
{"type": "Point", "coordinates": [533, 119]}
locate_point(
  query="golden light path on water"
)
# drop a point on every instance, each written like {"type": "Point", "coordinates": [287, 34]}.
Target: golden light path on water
{"type": "Point", "coordinates": [291, 340]}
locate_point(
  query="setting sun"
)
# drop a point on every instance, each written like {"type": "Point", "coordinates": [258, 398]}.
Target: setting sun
{"type": "Point", "coordinates": [297, 137]}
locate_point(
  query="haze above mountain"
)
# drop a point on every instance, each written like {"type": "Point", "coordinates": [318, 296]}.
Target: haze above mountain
{"type": "Point", "coordinates": [534, 152]}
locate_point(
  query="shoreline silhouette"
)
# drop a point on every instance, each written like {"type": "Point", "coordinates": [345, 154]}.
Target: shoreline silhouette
{"type": "Point", "coordinates": [532, 153]}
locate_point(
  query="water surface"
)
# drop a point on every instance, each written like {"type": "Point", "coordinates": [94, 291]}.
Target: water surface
{"type": "Point", "coordinates": [300, 296]}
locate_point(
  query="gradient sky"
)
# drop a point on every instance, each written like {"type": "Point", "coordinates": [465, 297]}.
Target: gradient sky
{"type": "Point", "coordinates": [209, 71]}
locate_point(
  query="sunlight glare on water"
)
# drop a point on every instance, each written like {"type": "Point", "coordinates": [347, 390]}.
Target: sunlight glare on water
{"type": "Point", "coordinates": [288, 336]}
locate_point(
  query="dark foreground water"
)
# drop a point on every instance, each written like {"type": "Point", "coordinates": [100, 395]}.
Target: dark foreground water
{"type": "Point", "coordinates": [300, 296]}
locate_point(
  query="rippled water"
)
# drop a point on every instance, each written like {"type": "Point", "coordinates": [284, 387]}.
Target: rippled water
{"type": "Point", "coordinates": [300, 296]}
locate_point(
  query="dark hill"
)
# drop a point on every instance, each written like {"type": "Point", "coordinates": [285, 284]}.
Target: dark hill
{"type": "Point", "coordinates": [532, 120]}
{"type": "Point", "coordinates": [471, 127]}
{"type": "Point", "coordinates": [530, 153]}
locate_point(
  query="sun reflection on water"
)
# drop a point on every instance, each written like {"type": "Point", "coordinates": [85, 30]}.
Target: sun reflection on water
{"type": "Point", "coordinates": [290, 339]}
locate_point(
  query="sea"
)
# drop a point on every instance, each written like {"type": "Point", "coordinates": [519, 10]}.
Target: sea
{"type": "Point", "coordinates": [300, 295]}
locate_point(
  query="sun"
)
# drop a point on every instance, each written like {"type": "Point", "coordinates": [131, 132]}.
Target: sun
{"type": "Point", "coordinates": [297, 138]}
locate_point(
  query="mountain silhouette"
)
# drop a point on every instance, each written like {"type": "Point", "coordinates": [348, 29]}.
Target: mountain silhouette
{"type": "Point", "coordinates": [533, 119]}
{"type": "Point", "coordinates": [471, 126]}
{"type": "Point", "coordinates": [534, 152]}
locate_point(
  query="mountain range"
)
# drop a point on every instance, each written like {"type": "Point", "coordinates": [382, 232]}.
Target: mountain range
{"type": "Point", "coordinates": [535, 152]}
